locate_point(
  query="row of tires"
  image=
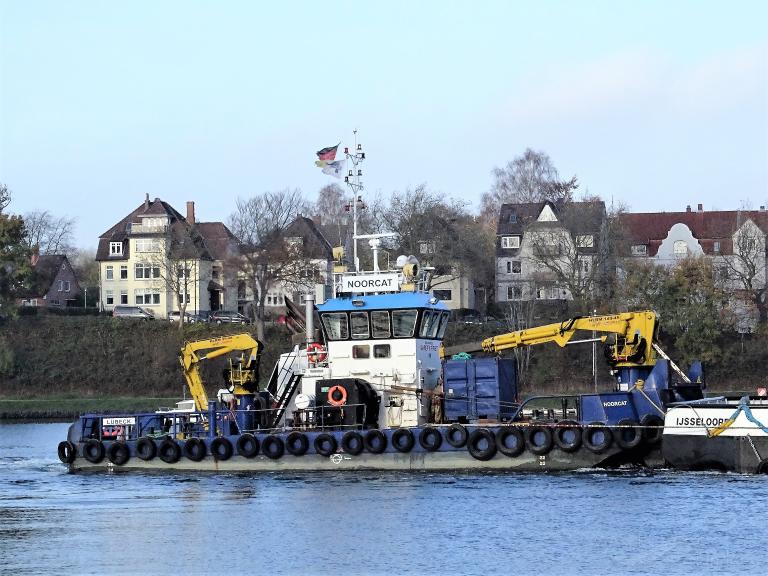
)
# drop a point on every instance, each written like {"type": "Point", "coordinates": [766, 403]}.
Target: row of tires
{"type": "Point", "coordinates": [481, 443]}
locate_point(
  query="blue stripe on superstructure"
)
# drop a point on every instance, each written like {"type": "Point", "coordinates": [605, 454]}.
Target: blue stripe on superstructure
{"type": "Point", "coordinates": [382, 302]}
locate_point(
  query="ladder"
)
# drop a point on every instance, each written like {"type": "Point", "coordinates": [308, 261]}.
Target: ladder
{"type": "Point", "coordinates": [675, 367]}
{"type": "Point", "coordinates": [284, 399]}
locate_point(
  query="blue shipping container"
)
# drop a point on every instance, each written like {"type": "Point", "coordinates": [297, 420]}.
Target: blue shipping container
{"type": "Point", "coordinates": [480, 388]}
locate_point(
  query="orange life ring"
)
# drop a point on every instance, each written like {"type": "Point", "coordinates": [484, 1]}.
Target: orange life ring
{"type": "Point", "coordinates": [316, 352]}
{"type": "Point", "coordinates": [340, 401]}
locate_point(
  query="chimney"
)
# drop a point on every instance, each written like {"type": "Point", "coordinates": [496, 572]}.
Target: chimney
{"type": "Point", "coordinates": [701, 208]}
{"type": "Point", "coordinates": [146, 201]}
{"type": "Point", "coordinates": [688, 208]}
{"type": "Point", "coordinates": [191, 212]}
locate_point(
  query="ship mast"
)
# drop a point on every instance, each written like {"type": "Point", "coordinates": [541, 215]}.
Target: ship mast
{"type": "Point", "coordinates": [354, 180]}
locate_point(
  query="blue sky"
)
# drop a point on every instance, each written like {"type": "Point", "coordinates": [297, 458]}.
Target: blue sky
{"type": "Point", "coordinates": [654, 104]}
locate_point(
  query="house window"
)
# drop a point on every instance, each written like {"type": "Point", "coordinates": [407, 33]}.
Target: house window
{"type": "Point", "coordinates": [115, 248]}
{"type": "Point", "coordinates": [147, 297]}
{"type": "Point", "coordinates": [110, 273]}
{"type": "Point", "coordinates": [61, 285]}
{"type": "Point", "coordinates": [183, 298]}
{"type": "Point", "coordinates": [514, 292]}
{"type": "Point", "coordinates": [442, 294]}
{"type": "Point", "coordinates": [512, 217]}
{"type": "Point", "coordinates": [67, 286]}
{"type": "Point", "coordinates": [716, 247]}
{"type": "Point", "coordinates": [426, 247]}
{"type": "Point", "coordinates": [182, 272]}
{"type": "Point", "coordinates": [517, 267]}
{"type": "Point", "coordinates": [146, 245]}
{"type": "Point", "coordinates": [123, 272]}
{"type": "Point", "coordinates": [123, 296]}
{"type": "Point", "coordinates": [145, 271]}
{"type": "Point", "coordinates": [585, 241]}
{"type": "Point", "coordinates": [639, 250]}
{"type": "Point", "coordinates": [680, 248]}
{"type": "Point", "coordinates": [109, 296]}
{"type": "Point", "coordinates": [510, 241]}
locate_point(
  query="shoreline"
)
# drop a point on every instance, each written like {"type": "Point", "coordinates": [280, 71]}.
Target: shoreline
{"type": "Point", "coordinates": [64, 409]}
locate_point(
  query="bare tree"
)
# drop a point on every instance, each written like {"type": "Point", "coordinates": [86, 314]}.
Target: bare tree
{"type": "Point", "coordinates": [520, 316]}
{"type": "Point", "coordinates": [744, 271]}
{"type": "Point", "coordinates": [528, 178]}
{"type": "Point", "coordinates": [5, 197]}
{"type": "Point", "coordinates": [573, 253]}
{"type": "Point", "coordinates": [52, 234]}
{"type": "Point", "coordinates": [267, 257]}
{"type": "Point", "coordinates": [332, 205]}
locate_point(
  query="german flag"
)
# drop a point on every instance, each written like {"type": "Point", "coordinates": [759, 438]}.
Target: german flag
{"type": "Point", "coordinates": [328, 153]}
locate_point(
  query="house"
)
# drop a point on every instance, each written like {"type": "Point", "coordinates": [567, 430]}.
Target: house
{"type": "Point", "coordinates": [158, 259]}
{"type": "Point", "coordinates": [309, 265]}
{"type": "Point", "coordinates": [53, 284]}
{"type": "Point", "coordinates": [549, 252]}
{"type": "Point", "coordinates": [733, 240]}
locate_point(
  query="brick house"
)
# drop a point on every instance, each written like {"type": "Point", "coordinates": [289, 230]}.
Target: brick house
{"type": "Point", "coordinates": [53, 284]}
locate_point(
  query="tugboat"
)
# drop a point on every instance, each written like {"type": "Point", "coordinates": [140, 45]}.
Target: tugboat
{"type": "Point", "coordinates": [373, 389]}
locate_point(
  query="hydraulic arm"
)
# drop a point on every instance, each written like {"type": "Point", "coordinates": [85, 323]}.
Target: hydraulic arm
{"type": "Point", "coordinates": [242, 374]}
{"type": "Point", "coordinates": [629, 337]}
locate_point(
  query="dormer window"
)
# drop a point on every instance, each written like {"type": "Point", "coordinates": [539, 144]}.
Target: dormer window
{"type": "Point", "coordinates": [639, 250]}
{"type": "Point", "coordinates": [680, 248]}
{"type": "Point", "coordinates": [115, 248]}
{"type": "Point", "coordinates": [510, 242]}
{"type": "Point", "coordinates": [513, 217]}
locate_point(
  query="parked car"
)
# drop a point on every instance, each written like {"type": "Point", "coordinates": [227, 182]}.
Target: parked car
{"type": "Point", "coordinates": [132, 312]}
{"type": "Point", "coordinates": [228, 317]}
{"type": "Point", "coordinates": [202, 316]}
{"type": "Point", "coordinates": [175, 315]}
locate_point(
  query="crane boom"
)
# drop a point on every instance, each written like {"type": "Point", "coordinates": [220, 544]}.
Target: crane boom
{"type": "Point", "coordinates": [242, 376]}
{"type": "Point", "coordinates": [629, 337]}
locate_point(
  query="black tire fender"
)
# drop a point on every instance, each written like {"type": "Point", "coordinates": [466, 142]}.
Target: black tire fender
{"type": "Point", "coordinates": [67, 452]}
{"type": "Point", "coordinates": [169, 451]}
{"type": "Point", "coordinates": [375, 441]}
{"type": "Point", "coordinates": [93, 451]}
{"type": "Point", "coordinates": [352, 443]}
{"type": "Point", "coordinates": [326, 444]}
{"type": "Point", "coordinates": [535, 434]}
{"type": "Point", "coordinates": [194, 449]}
{"type": "Point", "coordinates": [118, 453]}
{"type": "Point", "coordinates": [221, 448]}
{"type": "Point", "coordinates": [653, 429]}
{"type": "Point", "coordinates": [247, 445]}
{"type": "Point", "coordinates": [502, 439]}
{"type": "Point", "coordinates": [403, 440]}
{"type": "Point", "coordinates": [627, 435]}
{"type": "Point", "coordinates": [297, 443]}
{"type": "Point", "coordinates": [273, 447]}
{"type": "Point", "coordinates": [146, 449]}
{"type": "Point", "coordinates": [457, 436]}
{"type": "Point", "coordinates": [476, 438]}
{"type": "Point", "coordinates": [568, 435]}
{"type": "Point", "coordinates": [591, 433]}
{"type": "Point", "coordinates": [430, 439]}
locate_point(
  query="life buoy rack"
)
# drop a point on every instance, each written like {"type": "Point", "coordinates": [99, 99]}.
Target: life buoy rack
{"type": "Point", "coordinates": [335, 399]}
{"type": "Point", "coordinates": [316, 352]}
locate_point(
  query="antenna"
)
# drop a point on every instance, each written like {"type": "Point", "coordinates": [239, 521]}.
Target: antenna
{"type": "Point", "coordinates": [353, 179]}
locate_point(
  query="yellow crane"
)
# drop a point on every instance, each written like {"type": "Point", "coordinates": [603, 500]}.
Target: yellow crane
{"type": "Point", "coordinates": [630, 337]}
{"type": "Point", "coordinates": [242, 375]}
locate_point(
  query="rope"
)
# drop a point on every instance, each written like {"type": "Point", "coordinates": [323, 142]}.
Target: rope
{"type": "Point", "coordinates": [742, 407]}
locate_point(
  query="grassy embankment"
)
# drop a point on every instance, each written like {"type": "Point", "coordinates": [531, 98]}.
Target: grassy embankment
{"type": "Point", "coordinates": [58, 366]}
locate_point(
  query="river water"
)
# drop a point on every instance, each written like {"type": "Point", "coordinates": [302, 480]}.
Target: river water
{"type": "Point", "coordinates": [52, 522]}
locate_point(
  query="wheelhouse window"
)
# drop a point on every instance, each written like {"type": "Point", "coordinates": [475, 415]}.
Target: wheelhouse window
{"type": "Point", "coordinates": [336, 326]}
{"type": "Point", "coordinates": [359, 325]}
{"type": "Point", "coordinates": [380, 324]}
{"type": "Point", "coordinates": [404, 323]}
{"type": "Point", "coordinates": [430, 324]}
{"type": "Point", "coordinates": [443, 325]}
